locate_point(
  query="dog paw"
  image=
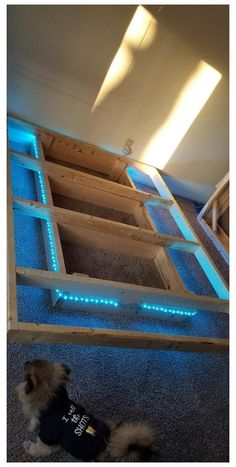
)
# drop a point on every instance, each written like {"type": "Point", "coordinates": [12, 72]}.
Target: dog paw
{"type": "Point", "coordinates": [27, 445]}
{"type": "Point", "coordinates": [33, 425]}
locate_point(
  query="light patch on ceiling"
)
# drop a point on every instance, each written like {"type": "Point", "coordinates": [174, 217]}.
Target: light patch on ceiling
{"type": "Point", "coordinates": [139, 35]}
{"type": "Point", "coordinates": [188, 105]}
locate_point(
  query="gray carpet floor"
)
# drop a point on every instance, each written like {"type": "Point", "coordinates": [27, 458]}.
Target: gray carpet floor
{"type": "Point", "coordinates": [184, 396]}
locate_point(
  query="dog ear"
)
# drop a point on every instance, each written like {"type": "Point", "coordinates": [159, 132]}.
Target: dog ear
{"type": "Point", "coordinates": [67, 369]}
{"type": "Point", "coordinates": [28, 385]}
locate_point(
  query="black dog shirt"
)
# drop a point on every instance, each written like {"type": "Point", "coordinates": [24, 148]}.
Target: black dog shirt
{"type": "Point", "coordinates": [68, 424]}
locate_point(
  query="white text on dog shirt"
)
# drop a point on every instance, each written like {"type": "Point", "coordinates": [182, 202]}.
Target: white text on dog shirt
{"type": "Point", "coordinates": [75, 418]}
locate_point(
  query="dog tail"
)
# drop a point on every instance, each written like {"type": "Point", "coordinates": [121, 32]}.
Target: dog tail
{"type": "Point", "coordinates": [131, 442]}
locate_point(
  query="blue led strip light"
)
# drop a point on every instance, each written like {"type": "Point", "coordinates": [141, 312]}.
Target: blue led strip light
{"type": "Point", "coordinates": [52, 247]}
{"type": "Point", "coordinates": [94, 300]}
{"type": "Point", "coordinates": [51, 241]}
{"type": "Point", "coordinates": [165, 310]}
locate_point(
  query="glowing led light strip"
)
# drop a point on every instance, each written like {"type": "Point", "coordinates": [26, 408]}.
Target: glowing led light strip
{"type": "Point", "coordinates": [164, 309]}
{"type": "Point", "coordinates": [94, 300]}
{"type": "Point", "coordinates": [52, 246]}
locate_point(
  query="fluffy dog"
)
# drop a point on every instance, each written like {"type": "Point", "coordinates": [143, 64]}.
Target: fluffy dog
{"type": "Point", "coordinates": [61, 422]}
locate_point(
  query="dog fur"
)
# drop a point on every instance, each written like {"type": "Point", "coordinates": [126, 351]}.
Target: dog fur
{"type": "Point", "coordinates": [128, 441]}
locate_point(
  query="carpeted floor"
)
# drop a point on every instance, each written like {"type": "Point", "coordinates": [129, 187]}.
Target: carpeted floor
{"type": "Point", "coordinates": [183, 395]}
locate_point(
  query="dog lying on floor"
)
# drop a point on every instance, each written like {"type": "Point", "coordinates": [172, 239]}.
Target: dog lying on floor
{"type": "Point", "coordinates": [62, 422]}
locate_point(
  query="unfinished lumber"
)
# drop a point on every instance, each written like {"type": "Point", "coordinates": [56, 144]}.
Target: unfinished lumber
{"type": "Point", "coordinates": [107, 241]}
{"type": "Point", "coordinates": [167, 270]}
{"type": "Point", "coordinates": [127, 294]}
{"type": "Point", "coordinates": [222, 184]}
{"type": "Point", "coordinates": [125, 179]}
{"type": "Point", "coordinates": [81, 154]}
{"type": "Point", "coordinates": [104, 226]}
{"type": "Point", "coordinates": [217, 239]}
{"type": "Point", "coordinates": [71, 150]}
{"type": "Point", "coordinates": [163, 262]}
{"type": "Point", "coordinates": [201, 254]}
{"type": "Point", "coordinates": [214, 216]}
{"type": "Point", "coordinates": [38, 333]}
{"type": "Point", "coordinates": [42, 178]}
{"type": "Point", "coordinates": [91, 183]}
{"type": "Point", "coordinates": [142, 217]}
{"type": "Point", "coordinates": [70, 176]}
{"type": "Point", "coordinates": [223, 237]}
{"type": "Point", "coordinates": [118, 169]}
{"type": "Point", "coordinates": [11, 261]}
{"type": "Point", "coordinates": [92, 195]}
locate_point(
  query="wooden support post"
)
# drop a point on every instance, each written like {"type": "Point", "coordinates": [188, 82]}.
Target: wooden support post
{"type": "Point", "coordinates": [167, 271]}
{"type": "Point", "coordinates": [163, 262]}
{"type": "Point", "coordinates": [214, 216]}
{"type": "Point", "coordinates": [218, 244]}
{"type": "Point", "coordinates": [142, 218]}
{"type": "Point", "coordinates": [118, 168]}
{"type": "Point", "coordinates": [11, 262]}
{"type": "Point", "coordinates": [125, 179]}
{"type": "Point", "coordinates": [211, 213]}
{"type": "Point", "coordinates": [57, 241]}
{"type": "Point", "coordinates": [220, 188]}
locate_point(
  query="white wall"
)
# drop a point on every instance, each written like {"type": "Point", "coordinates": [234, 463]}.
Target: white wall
{"type": "Point", "coordinates": [58, 58]}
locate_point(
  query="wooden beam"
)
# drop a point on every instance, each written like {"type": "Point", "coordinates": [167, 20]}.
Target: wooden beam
{"type": "Point", "coordinates": [118, 168]}
{"type": "Point", "coordinates": [96, 239]}
{"type": "Point", "coordinates": [104, 226]}
{"type": "Point", "coordinates": [222, 203]}
{"type": "Point", "coordinates": [167, 270]}
{"type": "Point", "coordinates": [214, 216]}
{"type": "Point", "coordinates": [57, 241]}
{"type": "Point", "coordinates": [217, 242]}
{"type": "Point", "coordinates": [11, 261]}
{"type": "Point", "coordinates": [37, 333]}
{"type": "Point", "coordinates": [220, 188]}
{"type": "Point", "coordinates": [92, 195]}
{"type": "Point", "coordinates": [125, 179]}
{"type": "Point", "coordinates": [46, 141]}
{"type": "Point", "coordinates": [72, 150]}
{"type": "Point", "coordinates": [127, 294]}
{"type": "Point", "coordinates": [72, 176]}
{"type": "Point", "coordinates": [82, 154]}
{"type": "Point", "coordinates": [163, 262]}
{"type": "Point", "coordinates": [223, 237]}
{"type": "Point", "coordinates": [142, 217]}
{"type": "Point", "coordinates": [201, 254]}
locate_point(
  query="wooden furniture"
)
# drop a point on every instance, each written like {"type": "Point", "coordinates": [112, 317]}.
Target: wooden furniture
{"type": "Point", "coordinates": [82, 171]}
{"type": "Point", "coordinates": [214, 217]}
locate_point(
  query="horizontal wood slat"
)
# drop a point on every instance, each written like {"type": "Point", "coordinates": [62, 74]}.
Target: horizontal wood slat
{"type": "Point", "coordinates": [125, 293]}
{"type": "Point", "coordinates": [38, 333]}
{"type": "Point", "coordinates": [96, 224]}
{"type": "Point", "coordinates": [72, 176]}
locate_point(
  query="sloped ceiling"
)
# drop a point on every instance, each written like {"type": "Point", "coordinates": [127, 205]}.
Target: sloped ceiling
{"type": "Point", "coordinates": [58, 57]}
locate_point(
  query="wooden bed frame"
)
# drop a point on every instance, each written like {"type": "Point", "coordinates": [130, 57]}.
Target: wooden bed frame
{"type": "Point", "coordinates": [82, 171]}
{"type": "Point", "coordinates": [211, 215]}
